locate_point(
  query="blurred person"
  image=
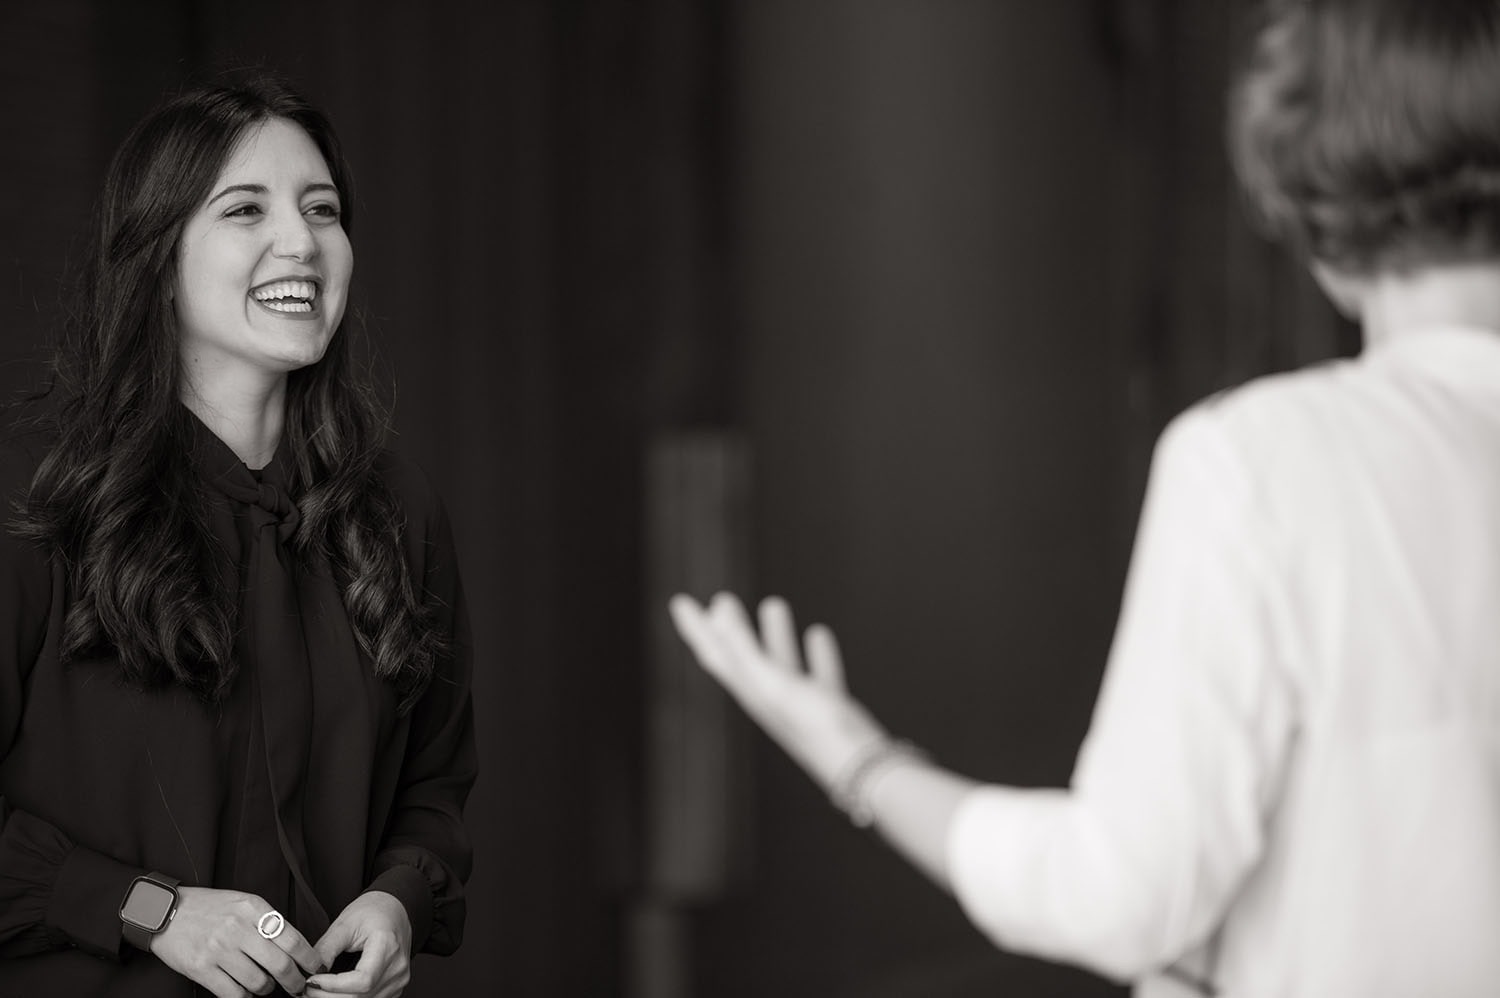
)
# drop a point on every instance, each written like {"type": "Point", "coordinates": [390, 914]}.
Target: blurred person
{"type": "Point", "coordinates": [236, 734]}
{"type": "Point", "coordinates": [1291, 781]}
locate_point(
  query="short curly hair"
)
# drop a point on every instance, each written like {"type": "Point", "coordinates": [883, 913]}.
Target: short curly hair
{"type": "Point", "coordinates": [1366, 133]}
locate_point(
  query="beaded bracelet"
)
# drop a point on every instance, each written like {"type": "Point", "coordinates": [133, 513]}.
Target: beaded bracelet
{"type": "Point", "coordinates": [850, 791]}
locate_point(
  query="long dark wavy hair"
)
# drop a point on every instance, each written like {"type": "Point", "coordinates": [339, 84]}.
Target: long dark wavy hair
{"type": "Point", "coordinates": [117, 498]}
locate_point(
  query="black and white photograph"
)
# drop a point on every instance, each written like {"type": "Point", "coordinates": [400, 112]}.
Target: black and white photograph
{"type": "Point", "coordinates": [750, 498]}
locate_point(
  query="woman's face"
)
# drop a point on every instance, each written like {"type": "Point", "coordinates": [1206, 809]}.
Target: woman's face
{"type": "Point", "coordinates": [263, 266]}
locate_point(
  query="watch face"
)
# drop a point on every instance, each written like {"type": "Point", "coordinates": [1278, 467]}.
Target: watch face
{"type": "Point", "coordinates": [148, 904]}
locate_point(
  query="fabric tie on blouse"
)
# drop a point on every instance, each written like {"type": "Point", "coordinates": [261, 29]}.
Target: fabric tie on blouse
{"type": "Point", "coordinates": [279, 668]}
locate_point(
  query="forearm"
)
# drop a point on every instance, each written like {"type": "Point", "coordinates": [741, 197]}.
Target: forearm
{"type": "Point", "coordinates": [912, 803]}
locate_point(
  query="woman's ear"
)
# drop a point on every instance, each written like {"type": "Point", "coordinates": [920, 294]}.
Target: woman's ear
{"type": "Point", "coordinates": [1348, 292]}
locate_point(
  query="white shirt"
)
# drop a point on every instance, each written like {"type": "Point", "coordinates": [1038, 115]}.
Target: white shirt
{"type": "Point", "coordinates": [1292, 777]}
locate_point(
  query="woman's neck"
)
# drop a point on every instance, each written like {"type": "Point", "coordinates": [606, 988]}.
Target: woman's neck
{"type": "Point", "coordinates": [248, 415]}
{"type": "Point", "coordinates": [1404, 304]}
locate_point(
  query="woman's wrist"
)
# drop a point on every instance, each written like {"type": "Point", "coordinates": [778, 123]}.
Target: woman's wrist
{"type": "Point", "coordinates": [852, 789]}
{"type": "Point", "coordinates": [827, 750]}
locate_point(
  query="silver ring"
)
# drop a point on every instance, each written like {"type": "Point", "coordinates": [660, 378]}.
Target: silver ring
{"type": "Point", "coordinates": [270, 925]}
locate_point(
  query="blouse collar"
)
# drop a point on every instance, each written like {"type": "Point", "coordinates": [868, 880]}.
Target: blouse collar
{"type": "Point", "coordinates": [1463, 352]}
{"type": "Point", "coordinates": [221, 468]}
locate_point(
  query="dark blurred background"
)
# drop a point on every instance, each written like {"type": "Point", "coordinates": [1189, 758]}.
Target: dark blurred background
{"type": "Point", "coordinates": [878, 304]}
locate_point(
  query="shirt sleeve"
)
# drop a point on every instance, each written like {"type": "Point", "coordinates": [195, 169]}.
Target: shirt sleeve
{"type": "Point", "coordinates": [1136, 862]}
{"type": "Point", "coordinates": [426, 856]}
{"type": "Point", "coordinates": [54, 893]}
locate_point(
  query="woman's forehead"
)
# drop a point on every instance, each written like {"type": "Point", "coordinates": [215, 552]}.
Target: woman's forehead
{"type": "Point", "coordinates": [273, 153]}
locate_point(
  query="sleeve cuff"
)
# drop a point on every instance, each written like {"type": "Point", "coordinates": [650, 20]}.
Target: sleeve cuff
{"type": "Point", "coordinates": [408, 885]}
{"type": "Point", "coordinates": [85, 902]}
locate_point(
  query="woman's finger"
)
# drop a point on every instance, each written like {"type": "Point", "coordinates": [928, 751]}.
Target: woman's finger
{"type": "Point", "coordinates": [280, 965]}
{"type": "Point", "coordinates": [249, 975]}
{"type": "Point", "coordinates": [824, 660]}
{"type": "Point", "coordinates": [779, 634]}
{"type": "Point", "coordinates": [736, 634]}
{"type": "Point", "coordinates": [366, 976]}
{"type": "Point", "coordinates": [697, 630]}
{"type": "Point", "coordinates": [221, 985]}
{"type": "Point", "coordinates": [295, 945]}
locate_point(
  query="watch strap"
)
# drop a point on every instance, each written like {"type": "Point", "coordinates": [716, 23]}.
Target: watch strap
{"type": "Point", "coordinates": [137, 935]}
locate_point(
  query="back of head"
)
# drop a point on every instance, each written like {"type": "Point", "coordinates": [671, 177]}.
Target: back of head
{"type": "Point", "coordinates": [1367, 132]}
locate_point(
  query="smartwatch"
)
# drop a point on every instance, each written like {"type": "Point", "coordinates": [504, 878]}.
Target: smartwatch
{"type": "Point", "coordinates": [148, 907]}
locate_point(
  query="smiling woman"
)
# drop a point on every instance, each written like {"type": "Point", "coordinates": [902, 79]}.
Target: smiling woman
{"type": "Point", "coordinates": [234, 668]}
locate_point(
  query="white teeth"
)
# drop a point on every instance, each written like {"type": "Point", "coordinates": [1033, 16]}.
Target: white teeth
{"type": "Point", "coordinates": [306, 291]}
{"type": "Point", "coordinates": [288, 306]}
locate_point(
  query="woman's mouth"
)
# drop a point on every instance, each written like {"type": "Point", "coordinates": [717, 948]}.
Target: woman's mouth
{"type": "Point", "coordinates": [287, 296]}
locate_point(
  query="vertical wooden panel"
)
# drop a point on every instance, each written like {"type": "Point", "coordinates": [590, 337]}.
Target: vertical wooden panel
{"type": "Point", "coordinates": [696, 786]}
{"type": "Point", "coordinates": [697, 538]}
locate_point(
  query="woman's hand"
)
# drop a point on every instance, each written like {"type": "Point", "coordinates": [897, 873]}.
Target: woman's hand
{"type": "Point", "coordinates": [807, 710]}
{"type": "Point", "coordinates": [212, 940]}
{"type": "Point", "coordinates": [375, 925]}
{"type": "Point", "coordinates": [811, 715]}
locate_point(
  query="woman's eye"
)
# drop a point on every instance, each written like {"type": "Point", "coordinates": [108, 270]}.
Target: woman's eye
{"type": "Point", "coordinates": [324, 210]}
{"type": "Point", "coordinates": [243, 211]}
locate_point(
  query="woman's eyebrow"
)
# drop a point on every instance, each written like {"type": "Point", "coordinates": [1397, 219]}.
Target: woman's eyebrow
{"type": "Point", "coordinates": [232, 188]}
{"type": "Point", "coordinates": [263, 189]}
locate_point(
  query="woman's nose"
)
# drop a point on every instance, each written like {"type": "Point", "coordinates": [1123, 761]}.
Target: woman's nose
{"type": "Point", "coordinates": [294, 239]}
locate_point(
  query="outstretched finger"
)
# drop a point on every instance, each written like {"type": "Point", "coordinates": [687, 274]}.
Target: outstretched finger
{"type": "Point", "coordinates": [735, 632]}
{"type": "Point", "coordinates": [697, 630]}
{"type": "Point", "coordinates": [824, 660]}
{"type": "Point", "coordinates": [779, 633]}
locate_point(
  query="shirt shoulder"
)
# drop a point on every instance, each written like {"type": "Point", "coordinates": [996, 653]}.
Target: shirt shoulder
{"type": "Point", "coordinates": [1298, 429]}
{"type": "Point", "coordinates": [1275, 407]}
{"type": "Point", "coordinates": [409, 483]}
{"type": "Point", "coordinates": [425, 528]}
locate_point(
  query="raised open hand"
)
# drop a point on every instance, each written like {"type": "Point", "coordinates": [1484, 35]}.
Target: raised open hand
{"type": "Point", "coordinates": [804, 705]}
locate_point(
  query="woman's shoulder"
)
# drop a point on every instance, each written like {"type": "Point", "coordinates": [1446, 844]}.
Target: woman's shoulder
{"type": "Point", "coordinates": [426, 532]}
{"type": "Point", "coordinates": [1275, 415]}
{"type": "Point", "coordinates": [409, 483]}
{"type": "Point", "coordinates": [1312, 436]}
{"type": "Point", "coordinates": [1284, 395]}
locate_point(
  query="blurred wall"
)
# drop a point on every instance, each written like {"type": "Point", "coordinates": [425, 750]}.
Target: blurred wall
{"type": "Point", "coordinates": [929, 382]}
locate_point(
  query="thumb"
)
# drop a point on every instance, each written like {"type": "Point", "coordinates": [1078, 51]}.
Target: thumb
{"type": "Point", "coordinates": [338, 939]}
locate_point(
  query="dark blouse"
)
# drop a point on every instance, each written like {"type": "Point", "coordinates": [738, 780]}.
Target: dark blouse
{"type": "Point", "coordinates": [304, 786]}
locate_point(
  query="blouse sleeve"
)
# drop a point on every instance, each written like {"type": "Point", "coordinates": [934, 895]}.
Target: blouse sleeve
{"type": "Point", "coordinates": [425, 856]}
{"type": "Point", "coordinates": [1136, 862]}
